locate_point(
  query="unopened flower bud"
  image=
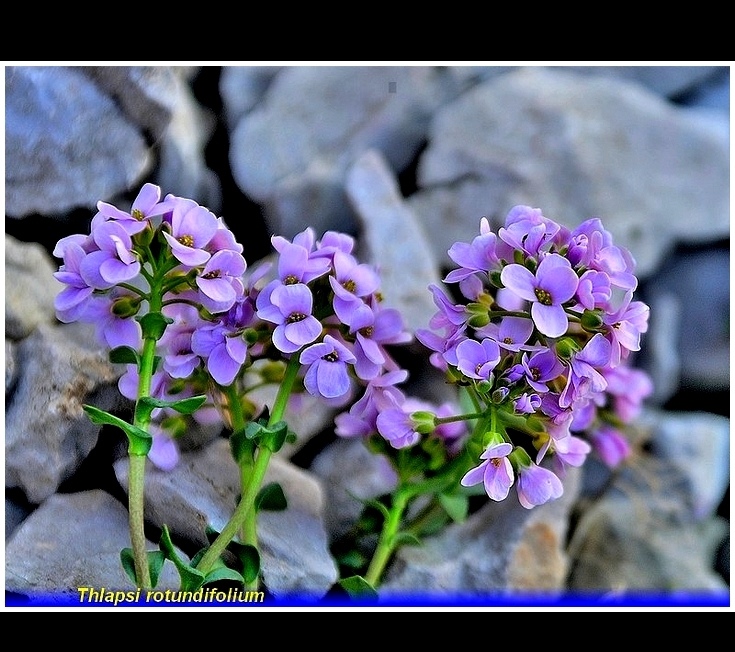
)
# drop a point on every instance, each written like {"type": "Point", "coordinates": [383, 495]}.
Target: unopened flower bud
{"type": "Point", "coordinates": [591, 320]}
{"type": "Point", "coordinates": [424, 422]}
{"type": "Point", "coordinates": [478, 315]}
{"type": "Point", "coordinates": [500, 394]}
{"type": "Point", "coordinates": [566, 347]}
{"type": "Point", "coordinates": [145, 237]}
{"type": "Point", "coordinates": [126, 306]}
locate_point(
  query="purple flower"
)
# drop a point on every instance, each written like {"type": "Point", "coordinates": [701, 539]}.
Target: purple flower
{"type": "Point", "coordinates": [373, 329]}
{"type": "Point", "coordinates": [527, 403]}
{"type": "Point", "coordinates": [380, 394]}
{"type": "Point", "coordinates": [296, 264]}
{"type": "Point", "coordinates": [327, 375]}
{"type": "Point", "coordinates": [146, 205]}
{"type": "Point", "coordinates": [591, 246]}
{"type": "Point", "coordinates": [625, 326]}
{"type": "Point", "coordinates": [289, 306]}
{"type": "Point", "coordinates": [224, 353]}
{"type": "Point", "coordinates": [628, 388]}
{"type": "Point", "coordinates": [495, 472]}
{"type": "Point", "coordinates": [164, 454]}
{"type": "Point", "coordinates": [584, 378]}
{"type": "Point", "coordinates": [610, 445]}
{"type": "Point", "coordinates": [537, 485]}
{"type": "Point", "coordinates": [554, 283]}
{"type": "Point", "coordinates": [397, 427]}
{"type": "Point", "coordinates": [527, 230]}
{"type": "Point", "coordinates": [112, 330]}
{"type": "Point", "coordinates": [352, 282]}
{"type": "Point", "coordinates": [192, 228]}
{"type": "Point", "coordinates": [114, 262]}
{"type": "Point", "coordinates": [477, 257]}
{"type": "Point", "coordinates": [478, 359]}
{"type": "Point", "coordinates": [179, 360]}
{"type": "Point", "coordinates": [541, 368]}
{"type": "Point", "coordinates": [594, 290]}
{"type": "Point", "coordinates": [511, 334]}
{"type": "Point", "coordinates": [220, 281]}
{"type": "Point", "coordinates": [71, 302]}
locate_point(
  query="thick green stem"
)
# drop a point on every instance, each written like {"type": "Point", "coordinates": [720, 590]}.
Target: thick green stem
{"type": "Point", "coordinates": [136, 514]}
{"type": "Point", "coordinates": [136, 474]}
{"type": "Point", "coordinates": [257, 474]}
{"type": "Point", "coordinates": [387, 542]}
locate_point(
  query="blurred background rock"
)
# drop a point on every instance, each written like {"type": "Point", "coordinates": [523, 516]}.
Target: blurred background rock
{"type": "Point", "coordinates": [407, 159]}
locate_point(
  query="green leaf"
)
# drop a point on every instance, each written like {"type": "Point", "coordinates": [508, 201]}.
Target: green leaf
{"type": "Point", "coordinates": [191, 578]}
{"type": "Point", "coordinates": [139, 441]}
{"type": "Point", "coordinates": [456, 505]}
{"type": "Point", "coordinates": [271, 498]}
{"type": "Point", "coordinates": [128, 563]}
{"type": "Point", "coordinates": [220, 573]}
{"type": "Point", "coordinates": [379, 506]}
{"type": "Point", "coordinates": [145, 405]}
{"type": "Point", "coordinates": [358, 587]}
{"type": "Point", "coordinates": [249, 559]}
{"type": "Point", "coordinates": [124, 355]}
{"type": "Point", "coordinates": [242, 447]}
{"type": "Point", "coordinates": [271, 437]}
{"type": "Point", "coordinates": [154, 324]}
{"type": "Point", "coordinates": [405, 539]}
{"type": "Point", "coordinates": [156, 559]}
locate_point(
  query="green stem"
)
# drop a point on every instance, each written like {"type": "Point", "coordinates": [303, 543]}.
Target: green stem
{"type": "Point", "coordinates": [386, 543]}
{"type": "Point", "coordinates": [249, 532]}
{"type": "Point", "coordinates": [263, 456]}
{"type": "Point", "coordinates": [136, 475]}
{"type": "Point", "coordinates": [458, 417]}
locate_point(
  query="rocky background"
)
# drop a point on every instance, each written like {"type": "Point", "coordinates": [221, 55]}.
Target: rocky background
{"type": "Point", "coordinates": [407, 159]}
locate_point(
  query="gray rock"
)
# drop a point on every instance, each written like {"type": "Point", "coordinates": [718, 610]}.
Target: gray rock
{"type": "Point", "coordinates": [291, 151]}
{"type": "Point", "coordinates": [73, 541]}
{"type": "Point", "coordinates": [394, 239]}
{"type": "Point", "coordinates": [697, 445]}
{"type": "Point", "coordinates": [15, 514]}
{"type": "Point", "coordinates": [696, 286]}
{"type": "Point", "coordinates": [577, 147]}
{"type": "Point", "coordinates": [350, 474]}
{"type": "Point", "coordinates": [668, 81]}
{"type": "Point", "coordinates": [148, 95]}
{"type": "Point", "coordinates": [622, 546]}
{"type": "Point", "coordinates": [30, 288]}
{"type": "Point", "coordinates": [47, 434]}
{"type": "Point", "coordinates": [11, 367]}
{"type": "Point", "coordinates": [502, 550]}
{"type": "Point", "coordinates": [67, 143]}
{"type": "Point", "coordinates": [203, 490]}
{"type": "Point", "coordinates": [242, 87]}
{"type": "Point", "coordinates": [182, 167]}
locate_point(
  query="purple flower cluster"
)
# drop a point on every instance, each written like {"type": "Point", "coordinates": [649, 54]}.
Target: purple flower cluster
{"type": "Point", "coordinates": [541, 331]}
{"type": "Point", "coordinates": [317, 302]}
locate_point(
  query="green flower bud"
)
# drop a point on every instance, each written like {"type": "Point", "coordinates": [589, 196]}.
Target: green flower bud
{"type": "Point", "coordinates": [495, 279]}
{"type": "Point", "coordinates": [126, 306]}
{"type": "Point", "coordinates": [491, 438]}
{"type": "Point", "coordinates": [424, 422]}
{"type": "Point", "coordinates": [591, 320]}
{"type": "Point", "coordinates": [145, 237]}
{"type": "Point", "coordinates": [566, 347]}
{"type": "Point", "coordinates": [478, 315]}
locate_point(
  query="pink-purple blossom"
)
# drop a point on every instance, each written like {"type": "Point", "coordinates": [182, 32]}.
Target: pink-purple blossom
{"type": "Point", "coordinates": [553, 284]}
